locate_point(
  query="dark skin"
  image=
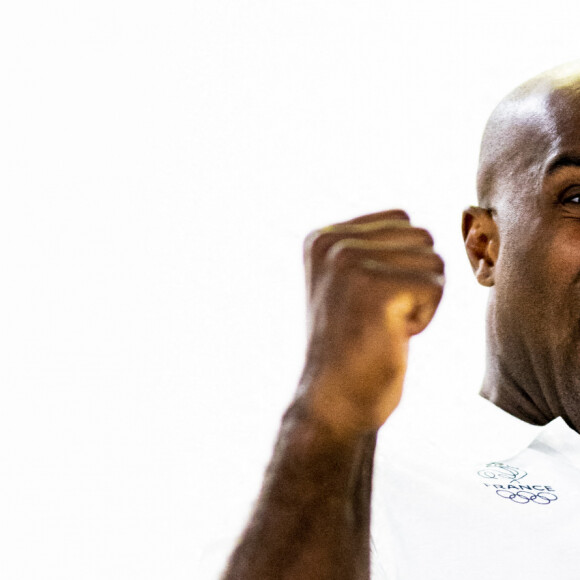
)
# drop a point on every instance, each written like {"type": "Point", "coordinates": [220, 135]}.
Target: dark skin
{"type": "Point", "coordinates": [374, 282]}
{"type": "Point", "coordinates": [526, 247]}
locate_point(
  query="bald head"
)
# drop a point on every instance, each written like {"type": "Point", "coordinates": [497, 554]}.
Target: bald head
{"type": "Point", "coordinates": [526, 247]}
{"type": "Point", "coordinates": [525, 130]}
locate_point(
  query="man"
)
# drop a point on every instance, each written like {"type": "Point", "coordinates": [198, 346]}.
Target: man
{"type": "Point", "coordinates": [375, 281]}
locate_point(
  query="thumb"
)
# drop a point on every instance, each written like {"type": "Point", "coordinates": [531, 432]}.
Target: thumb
{"type": "Point", "coordinates": [399, 312]}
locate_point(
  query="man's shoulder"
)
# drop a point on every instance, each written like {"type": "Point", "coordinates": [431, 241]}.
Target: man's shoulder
{"type": "Point", "coordinates": [465, 427]}
{"type": "Point", "coordinates": [473, 477]}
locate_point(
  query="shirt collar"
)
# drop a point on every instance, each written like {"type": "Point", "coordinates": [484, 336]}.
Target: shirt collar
{"type": "Point", "coordinates": [561, 438]}
{"type": "Point", "coordinates": [471, 429]}
{"type": "Point", "coordinates": [496, 434]}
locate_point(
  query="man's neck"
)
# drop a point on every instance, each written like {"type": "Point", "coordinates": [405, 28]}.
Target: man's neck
{"type": "Point", "coordinates": [503, 390]}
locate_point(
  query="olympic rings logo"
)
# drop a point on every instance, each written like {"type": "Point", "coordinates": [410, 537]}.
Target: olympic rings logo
{"type": "Point", "coordinates": [523, 497]}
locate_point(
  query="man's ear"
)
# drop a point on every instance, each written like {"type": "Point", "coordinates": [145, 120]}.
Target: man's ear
{"type": "Point", "coordinates": [481, 243]}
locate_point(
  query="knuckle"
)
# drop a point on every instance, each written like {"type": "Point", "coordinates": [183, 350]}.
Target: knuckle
{"type": "Point", "coordinates": [428, 281]}
{"type": "Point", "coordinates": [316, 244]}
{"type": "Point", "coordinates": [425, 236]}
{"type": "Point", "coordinates": [341, 252]}
{"type": "Point", "coordinates": [438, 263]}
{"type": "Point", "coordinates": [438, 283]}
{"type": "Point", "coordinates": [308, 242]}
{"type": "Point", "coordinates": [398, 213]}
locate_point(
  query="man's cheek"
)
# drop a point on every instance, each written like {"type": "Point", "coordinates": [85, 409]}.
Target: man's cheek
{"type": "Point", "coordinates": [564, 262]}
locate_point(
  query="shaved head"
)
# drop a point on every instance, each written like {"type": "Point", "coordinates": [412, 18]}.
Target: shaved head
{"type": "Point", "coordinates": [524, 242]}
{"type": "Point", "coordinates": [524, 130]}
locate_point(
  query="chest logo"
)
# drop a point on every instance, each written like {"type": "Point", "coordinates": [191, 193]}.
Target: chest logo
{"type": "Point", "coordinates": [506, 480]}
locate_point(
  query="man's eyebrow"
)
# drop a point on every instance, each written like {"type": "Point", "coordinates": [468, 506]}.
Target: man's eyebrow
{"type": "Point", "coordinates": [563, 161]}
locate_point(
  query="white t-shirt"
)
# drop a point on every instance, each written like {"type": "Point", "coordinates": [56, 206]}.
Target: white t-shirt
{"type": "Point", "coordinates": [475, 494]}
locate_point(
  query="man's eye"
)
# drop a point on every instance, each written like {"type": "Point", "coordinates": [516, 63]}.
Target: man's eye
{"type": "Point", "coordinates": [575, 199]}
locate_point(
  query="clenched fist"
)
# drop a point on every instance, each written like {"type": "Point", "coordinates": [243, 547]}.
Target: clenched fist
{"type": "Point", "coordinates": [372, 283]}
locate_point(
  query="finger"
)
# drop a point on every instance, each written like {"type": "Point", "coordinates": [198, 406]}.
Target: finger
{"type": "Point", "coordinates": [406, 314]}
{"type": "Point", "coordinates": [424, 310]}
{"type": "Point", "coordinates": [350, 253]}
{"type": "Point", "coordinates": [397, 312]}
{"type": "Point", "coordinates": [420, 278]}
{"type": "Point", "coordinates": [391, 214]}
{"type": "Point", "coordinates": [319, 243]}
{"type": "Point", "coordinates": [422, 290]}
{"type": "Point", "coordinates": [414, 242]}
{"type": "Point", "coordinates": [366, 227]}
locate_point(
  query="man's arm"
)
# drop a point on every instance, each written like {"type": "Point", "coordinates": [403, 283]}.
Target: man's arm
{"type": "Point", "coordinates": [372, 283]}
{"type": "Point", "coordinates": [312, 516]}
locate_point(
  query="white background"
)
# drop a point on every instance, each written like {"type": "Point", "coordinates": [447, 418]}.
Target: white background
{"type": "Point", "coordinates": [161, 163]}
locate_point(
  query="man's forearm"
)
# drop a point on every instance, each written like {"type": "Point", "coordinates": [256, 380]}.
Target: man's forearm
{"type": "Point", "coordinates": [312, 518]}
{"type": "Point", "coordinates": [372, 283]}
